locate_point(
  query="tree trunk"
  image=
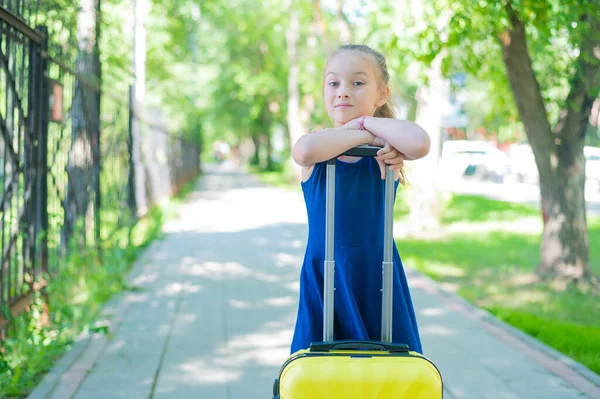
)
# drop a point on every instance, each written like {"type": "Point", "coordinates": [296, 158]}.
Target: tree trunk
{"type": "Point", "coordinates": [558, 153]}
{"type": "Point", "coordinates": [343, 24]}
{"type": "Point", "coordinates": [423, 194]}
{"type": "Point", "coordinates": [295, 126]}
{"type": "Point", "coordinates": [255, 161]}
{"type": "Point", "coordinates": [321, 24]}
{"type": "Point", "coordinates": [83, 164]}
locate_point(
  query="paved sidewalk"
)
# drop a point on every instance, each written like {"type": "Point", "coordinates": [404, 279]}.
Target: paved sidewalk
{"type": "Point", "coordinates": [215, 313]}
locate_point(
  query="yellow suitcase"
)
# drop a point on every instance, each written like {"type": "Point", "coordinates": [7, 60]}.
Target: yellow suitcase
{"type": "Point", "coordinates": [358, 369]}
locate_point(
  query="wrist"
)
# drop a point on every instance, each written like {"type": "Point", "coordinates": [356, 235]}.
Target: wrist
{"type": "Point", "coordinates": [370, 137]}
{"type": "Point", "coordinates": [361, 122]}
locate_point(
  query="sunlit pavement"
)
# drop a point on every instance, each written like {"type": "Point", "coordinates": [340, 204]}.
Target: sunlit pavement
{"type": "Point", "coordinates": [214, 312]}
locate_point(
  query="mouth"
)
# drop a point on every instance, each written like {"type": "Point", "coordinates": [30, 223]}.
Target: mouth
{"type": "Point", "coordinates": [343, 106]}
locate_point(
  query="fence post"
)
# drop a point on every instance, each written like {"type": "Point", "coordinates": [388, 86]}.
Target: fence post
{"type": "Point", "coordinates": [131, 200]}
{"type": "Point", "coordinates": [42, 172]}
{"type": "Point", "coordinates": [96, 157]}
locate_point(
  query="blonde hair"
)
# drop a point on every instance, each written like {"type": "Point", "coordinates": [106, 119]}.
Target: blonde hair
{"type": "Point", "coordinates": [386, 110]}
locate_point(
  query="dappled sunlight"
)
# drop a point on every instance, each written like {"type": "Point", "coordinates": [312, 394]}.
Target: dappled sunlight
{"type": "Point", "coordinates": [438, 268]}
{"type": "Point", "coordinates": [269, 346]}
{"type": "Point", "coordinates": [436, 330]}
{"type": "Point", "coordinates": [218, 271]}
{"type": "Point", "coordinates": [145, 278]}
{"type": "Point", "coordinates": [270, 278]}
{"type": "Point", "coordinates": [175, 288]}
{"type": "Point", "coordinates": [295, 243]}
{"type": "Point", "coordinates": [227, 270]}
{"type": "Point", "coordinates": [238, 362]}
{"type": "Point", "coordinates": [450, 287]}
{"type": "Point", "coordinates": [283, 259]}
{"type": "Point", "coordinates": [260, 241]}
{"type": "Point", "coordinates": [279, 302]}
{"type": "Point", "coordinates": [202, 372]}
{"type": "Point", "coordinates": [293, 286]}
{"type": "Point", "coordinates": [515, 299]}
{"type": "Point", "coordinates": [249, 215]}
{"type": "Point", "coordinates": [269, 302]}
{"type": "Point", "coordinates": [526, 279]}
{"type": "Point", "coordinates": [430, 312]}
{"type": "Point", "coordinates": [137, 297]}
{"type": "Point", "coordinates": [530, 225]}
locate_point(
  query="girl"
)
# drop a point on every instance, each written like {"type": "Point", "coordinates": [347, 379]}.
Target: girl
{"type": "Point", "coordinates": [355, 92]}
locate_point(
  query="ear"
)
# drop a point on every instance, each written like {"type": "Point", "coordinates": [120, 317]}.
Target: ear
{"type": "Point", "coordinates": [383, 96]}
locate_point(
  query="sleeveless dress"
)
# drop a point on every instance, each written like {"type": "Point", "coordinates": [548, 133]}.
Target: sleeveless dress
{"type": "Point", "coordinates": [358, 253]}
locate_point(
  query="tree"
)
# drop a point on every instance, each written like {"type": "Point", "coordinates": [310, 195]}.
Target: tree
{"type": "Point", "coordinates": [83, 166]}
{"type": "Point", "coordinates": [553, 110]}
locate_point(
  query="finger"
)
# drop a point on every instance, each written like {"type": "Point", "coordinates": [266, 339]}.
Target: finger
{"type": "Point", "coordinates": [385, 149]}
{"type": "Point", "coordinates": [394, 161]}
{"type": "Point", "coordinates": [381, 168]}
{"type": "Point", "coordinates": [389, 155]}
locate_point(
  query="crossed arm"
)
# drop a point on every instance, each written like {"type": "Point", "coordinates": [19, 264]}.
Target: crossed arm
{"type": "Point", "coordinates": [399, 139]}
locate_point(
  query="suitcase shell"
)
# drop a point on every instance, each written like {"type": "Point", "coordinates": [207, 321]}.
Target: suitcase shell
{"type": "Point", "coordinates": [358, 369]}
{"type": "Point", "coordinates": [354, 374]}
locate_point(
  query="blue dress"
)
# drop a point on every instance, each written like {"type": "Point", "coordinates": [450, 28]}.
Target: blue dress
{"type": "Point", "coordinates": [358, 253]}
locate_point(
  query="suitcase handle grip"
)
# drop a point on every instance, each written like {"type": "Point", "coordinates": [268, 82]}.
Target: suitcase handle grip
{"type": "Point", "coordinates": [358, 345]}
{"type": "Point", "coordinates": [363, 150]}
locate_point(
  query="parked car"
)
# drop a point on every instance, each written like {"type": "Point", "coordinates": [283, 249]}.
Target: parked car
{"type": "Point", "coordinates": [521, 164]}
{"type": "Point", "coordinates": [592, 168]}
{"type": "Point", "coordinates": [523, 168]}
{"type": "Point", "coordinates": [473, 158]}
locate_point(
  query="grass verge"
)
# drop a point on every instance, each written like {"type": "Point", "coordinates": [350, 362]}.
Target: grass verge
{"type": "Point", "coordinates": [491, 263]}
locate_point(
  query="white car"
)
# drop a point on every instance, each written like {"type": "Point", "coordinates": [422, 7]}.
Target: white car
{"type": "Point", "coordinates": [477, 158]}
{"type": "Point", "coordinates": [592, 168]}
{"type": "Point", "coordinates": [522, 164]}
{"type": "Point", "coordinates": [523, 167]}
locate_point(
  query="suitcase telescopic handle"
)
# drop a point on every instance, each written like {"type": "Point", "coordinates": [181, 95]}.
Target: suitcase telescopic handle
{"type": "Point", "coordinates": [358, 345]}
{"type": "Point", "coordinates": [363, 150]}
{"type": "Point", "coordinates": [387, 265]}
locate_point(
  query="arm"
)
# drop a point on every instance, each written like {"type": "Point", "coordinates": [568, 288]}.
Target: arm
{"type": "Point", "coordinates": [407, 137]}
{"type": "Point", "coordinates": [323, 145]}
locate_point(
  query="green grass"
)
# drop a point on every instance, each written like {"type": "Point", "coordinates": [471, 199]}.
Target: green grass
{"type": "Point", "coordinates": [495, 270]}
{"type": "Point", "coordinates": [469, 208]}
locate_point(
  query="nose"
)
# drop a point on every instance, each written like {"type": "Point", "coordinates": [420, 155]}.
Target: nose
{"type": "Point", "coordinates": [343, 91]}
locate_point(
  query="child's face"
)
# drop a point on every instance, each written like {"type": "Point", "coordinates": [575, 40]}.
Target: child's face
{"type": "Point", "coordinates": [351, 88]}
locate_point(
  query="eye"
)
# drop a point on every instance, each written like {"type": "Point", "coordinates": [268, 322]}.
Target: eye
{"type": "Point", "coordinates": [359, 83]}
{"type": "Point", "coordinates": [333, 84]}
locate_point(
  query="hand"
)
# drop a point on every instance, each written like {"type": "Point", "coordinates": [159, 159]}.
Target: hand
{"type": "Point", "coordinates": [354, 124]}
{"type": "Point", "coordinates": [388, 155]}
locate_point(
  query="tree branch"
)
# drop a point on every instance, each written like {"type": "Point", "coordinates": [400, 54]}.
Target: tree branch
{"type": "Point", "coordinates": [574, 118]}
{"type": "Point", "coordinates": [525, 87]}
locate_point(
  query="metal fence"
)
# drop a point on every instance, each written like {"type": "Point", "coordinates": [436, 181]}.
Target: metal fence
{"type": "Point", "coordinates": [77, 165]}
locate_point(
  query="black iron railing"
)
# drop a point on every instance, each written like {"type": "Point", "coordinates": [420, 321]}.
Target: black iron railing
{"type": "Point", "coordinates": [77, 165]}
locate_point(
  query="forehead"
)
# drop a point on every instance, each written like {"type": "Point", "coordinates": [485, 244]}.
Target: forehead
{"type": "Point", "coordinates": [350, 63]}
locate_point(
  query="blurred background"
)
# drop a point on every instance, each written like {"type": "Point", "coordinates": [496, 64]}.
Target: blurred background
{"type": "Point", "coordinates": [111, 109]}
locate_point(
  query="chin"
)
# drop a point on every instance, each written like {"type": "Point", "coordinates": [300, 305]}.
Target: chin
{"type": "Point", "coordinates": [345, 119]}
